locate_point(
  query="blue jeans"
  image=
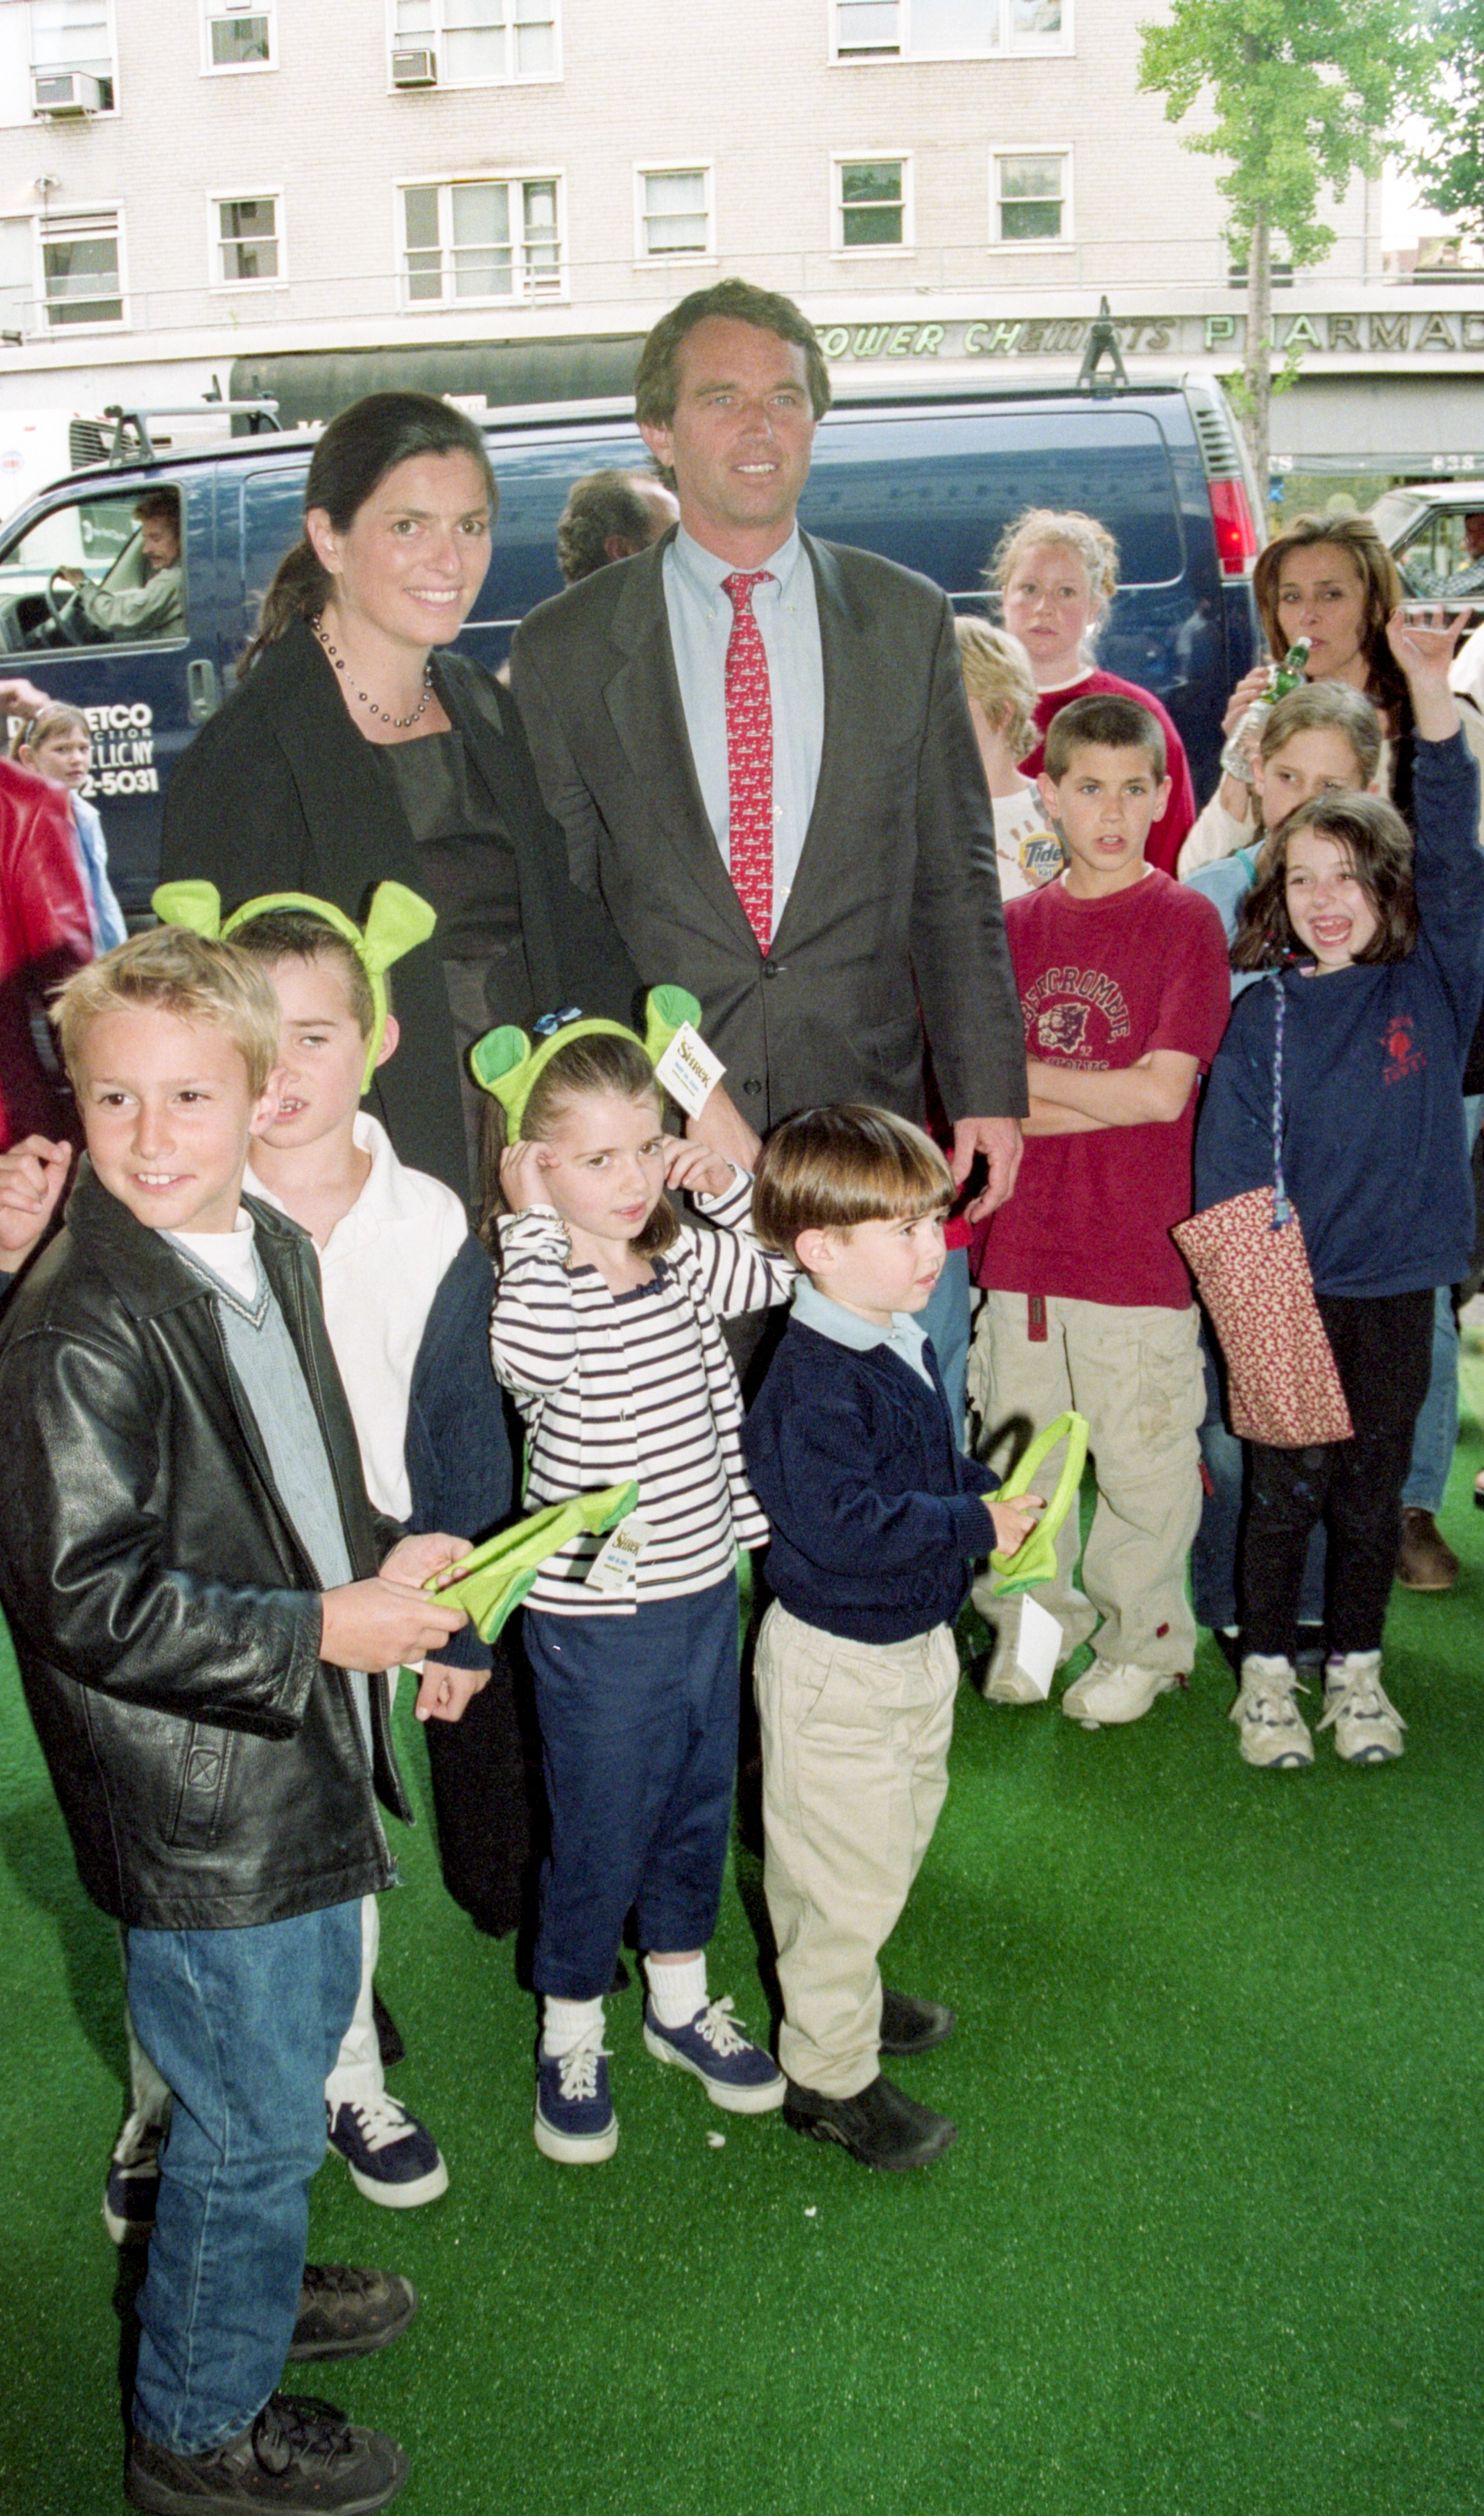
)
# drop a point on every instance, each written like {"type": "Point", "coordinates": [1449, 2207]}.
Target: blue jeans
{"type": "Point", "coordinates": [944, 1322]}
{"type": "Point", "coordinates": [1436, 1436]}
{"type": "Point", "coordinates": [243, 2026]}
{"type": "Point", "coordinates": [639, 1742]}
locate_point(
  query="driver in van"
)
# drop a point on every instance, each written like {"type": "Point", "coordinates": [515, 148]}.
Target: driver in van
{"type": "Point", "coordinates": [157, 608]}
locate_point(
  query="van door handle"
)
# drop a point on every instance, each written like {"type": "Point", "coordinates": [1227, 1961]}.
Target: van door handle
{"type": "Point", "coordinates": [201, 688]}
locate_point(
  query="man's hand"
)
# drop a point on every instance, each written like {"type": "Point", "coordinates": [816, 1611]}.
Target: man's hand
{"type": "Point", "coordinates": [382, 1622]}
{"type": "Point", "coordinates": [72, 575]}
{"type": "Point", "coordinates": [723, 1127]}
{"type": "Point", "coordinates": [21, 699]}
{"type": "Point", "coordinates": [446, 1693]}
{"type": "Point", "coordinates": [31, 1178]}
{"type": "Point", "coordinates": [999, 1141]}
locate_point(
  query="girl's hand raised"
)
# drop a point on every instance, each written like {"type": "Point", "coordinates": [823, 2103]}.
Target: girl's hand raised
{"type": "Point", "coordinates": [1424, 641]}
{"type": "Point", "coordinates": [692, 1165]}
{"type": "Point", "coordinates": [521, 1181]}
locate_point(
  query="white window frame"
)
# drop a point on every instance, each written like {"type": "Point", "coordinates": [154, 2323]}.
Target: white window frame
{"type": "Point", "coordinates": [105, 113]}
{"type": "Point", "coordinates": [511, 299]}
{"type": "Point", "coordinates": [692, 255]}
{"type": "Point", "coordinates": [397, 43]}
{"type": "Point", "coordinates": [216, 279]}
{"type": "Point", "coordinates": [226, 9]}
{"type": "Point", "coordinates": [1008, 46]}
{"type": "Point", "coordinates": [46, 229]}
{"type": "Point", "coordinates": [1067, 240]}
{"type": "Point", "coordinates": [840, 158]}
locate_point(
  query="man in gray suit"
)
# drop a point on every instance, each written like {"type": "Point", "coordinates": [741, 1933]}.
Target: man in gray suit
{"type": "Point", "coordinates": [760, 748]}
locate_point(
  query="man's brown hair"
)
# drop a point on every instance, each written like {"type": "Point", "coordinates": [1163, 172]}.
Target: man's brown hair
{"type": "Point", "coordinates": [657, 381]}
{"type": "Point", "coordinates": [826, 1170]}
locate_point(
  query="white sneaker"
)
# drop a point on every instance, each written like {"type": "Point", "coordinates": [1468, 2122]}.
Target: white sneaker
{"type": "Point", "coordinates": [1004, 1680]}
{"type": "Point", "coordinates": [1113, 1690]}
{"type": "Point", "coordinates": [1368, 1727]}
{"type": "Point", "coordinates": [1271, 1729]}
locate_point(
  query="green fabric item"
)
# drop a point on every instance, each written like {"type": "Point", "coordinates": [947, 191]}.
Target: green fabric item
{"type": "Point", "coordinates": [499, 1574]}
{"type": "Point", "coordinates": [506, 1064]}
{"type": "Point", "coordinates": [1035, 1558]}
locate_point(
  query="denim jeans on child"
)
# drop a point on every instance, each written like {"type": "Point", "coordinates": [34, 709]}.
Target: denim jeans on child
{"type": "Point", "coordinates": [639, 1742]}
{"type": "Point", "coordinates": [243, 2027]}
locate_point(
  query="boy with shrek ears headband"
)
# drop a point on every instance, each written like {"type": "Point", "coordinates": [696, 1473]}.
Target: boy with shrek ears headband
{"type": "Point", "coordinates": [397, 1265]}
{"type": "Point", "coordinates": [606, 1330]}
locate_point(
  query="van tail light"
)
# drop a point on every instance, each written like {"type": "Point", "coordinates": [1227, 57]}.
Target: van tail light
{"type": "Point", "coordinates": [1236, 534]}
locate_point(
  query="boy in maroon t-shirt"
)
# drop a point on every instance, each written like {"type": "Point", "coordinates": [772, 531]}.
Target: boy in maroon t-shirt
{"type": "Point", "coordinates": [1124, 989]}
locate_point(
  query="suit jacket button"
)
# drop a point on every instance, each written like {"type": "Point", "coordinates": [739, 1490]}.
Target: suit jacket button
{"type": "Point", "coordinates": [752, 1084]}
{"type": "Point", "coordinates": [772, 969]}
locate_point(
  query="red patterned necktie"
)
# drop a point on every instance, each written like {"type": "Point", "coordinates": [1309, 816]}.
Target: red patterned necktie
{"type": "Point", "coordinates": [749, 756]}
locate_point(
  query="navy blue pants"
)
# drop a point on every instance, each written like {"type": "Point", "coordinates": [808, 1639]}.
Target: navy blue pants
{"type": "Point", "coordinates": [639, 1740]}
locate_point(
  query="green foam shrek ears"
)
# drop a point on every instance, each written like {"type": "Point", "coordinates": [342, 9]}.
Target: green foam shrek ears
{"type": "Point", "coordinates": [495, 1579]}
{"type": "Point", "coordinates": [397, 920]}
{"type": "Point", "coordinates": [1035, 1558]}
{"type": "Point", "coordinates": [505, 1063]}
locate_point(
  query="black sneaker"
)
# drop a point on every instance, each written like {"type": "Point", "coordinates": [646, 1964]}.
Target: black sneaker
{"type": "Point", "coordinates": [345, 2313]}
{"type": "Point", "coordinates": [880, 2127]}
{"type": "Point", "coordinates": [299, 2456]}
{"type": "Point", "coordinates": [909, 2026]}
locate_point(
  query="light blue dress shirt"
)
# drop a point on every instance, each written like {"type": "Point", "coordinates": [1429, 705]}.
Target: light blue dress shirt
{"type": "Point", "coordinates": [787, 615]}
{"type": "Point", "coordinates": [905, 1339]}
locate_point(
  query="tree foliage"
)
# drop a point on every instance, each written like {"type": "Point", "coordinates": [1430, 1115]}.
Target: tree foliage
{"type": "Point", "coordinates": [1450, 169]}
{"type": "Point", "coordinates": [1303, 94]}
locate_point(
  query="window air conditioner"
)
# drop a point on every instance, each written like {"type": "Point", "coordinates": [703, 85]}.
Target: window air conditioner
{"type": "Point", "coordinates": [418, 69]}
{"type": "Point", "coordinates": [66, 92]}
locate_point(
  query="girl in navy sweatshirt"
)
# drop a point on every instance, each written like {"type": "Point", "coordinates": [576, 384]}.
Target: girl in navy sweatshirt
{"type": "Point", "coordinates": [1376, 952]}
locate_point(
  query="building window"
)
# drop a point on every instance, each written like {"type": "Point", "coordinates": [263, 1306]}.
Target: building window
{"type": "Point", "coordinates": [73, 35]}
{"type": "Point", "coordinates": [239, 34]}
{"type": "Point", "coordinates": [482, 240]}
{"type": "Point", "coordinates": [674, 212]}
{"type": "Point", "coordinates": [948, 29]}
{"type": "Point", "coordinates": [1032, 197]}
{"type": "Point", "coordinates": [80, 274]}
{"type": "Point", "coordinates": [872, 204]}
{"type": "Point", "coordinates": [245, 240]}
{"type": "Point", "coordinates": [480, 42]}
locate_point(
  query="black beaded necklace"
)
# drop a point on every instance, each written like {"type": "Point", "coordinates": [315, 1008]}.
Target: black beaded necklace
{"type": "Point", "coordinates": [338, 660]}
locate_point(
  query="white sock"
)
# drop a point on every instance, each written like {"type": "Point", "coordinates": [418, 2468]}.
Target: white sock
{"type": "Point", "coordinates": [565, 2022]}
{"type": "Point", "coordinates": [678, 1991]}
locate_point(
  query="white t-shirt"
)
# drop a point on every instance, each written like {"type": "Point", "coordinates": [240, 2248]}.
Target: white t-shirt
{"type": "Point", "coordinates": [379, 1271]}
{"type": "Point", "coordinates": [1027, 850]}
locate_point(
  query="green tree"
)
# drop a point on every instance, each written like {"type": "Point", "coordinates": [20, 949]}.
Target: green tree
{"type": "Point", "coordinates": [1450, 168]}
{"type": "Point", "coordinates": [1301, 93]}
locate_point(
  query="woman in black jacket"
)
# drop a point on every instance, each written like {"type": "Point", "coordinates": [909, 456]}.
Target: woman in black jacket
{"type": "Point", "coordinates": [354, 750]}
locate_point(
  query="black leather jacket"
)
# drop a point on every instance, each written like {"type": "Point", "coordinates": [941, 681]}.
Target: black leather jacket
{"type": "Point", "coordinates": [210, 1767]}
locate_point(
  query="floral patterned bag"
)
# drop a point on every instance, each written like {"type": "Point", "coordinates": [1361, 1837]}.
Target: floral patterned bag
{"type": "Point", "coordinates": [1251, 1268]}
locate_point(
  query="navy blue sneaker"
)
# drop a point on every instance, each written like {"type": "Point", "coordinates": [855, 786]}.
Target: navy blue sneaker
{"type": "Point", "coordinates": [393, 2160]}
{"type": "Point", "coordinates": [132, 2192]}
{"type": "Point", "coordinates": [735, 2073]}
{"type": "Point", "coordinates": [575, 2123]}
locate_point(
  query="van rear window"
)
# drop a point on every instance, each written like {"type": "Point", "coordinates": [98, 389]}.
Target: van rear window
{"type": "Point", "coordinates": [935, 491]}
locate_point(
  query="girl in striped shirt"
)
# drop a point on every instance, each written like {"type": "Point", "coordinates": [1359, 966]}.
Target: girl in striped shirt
{"type": "Point", "coordinates": [605, 1329]}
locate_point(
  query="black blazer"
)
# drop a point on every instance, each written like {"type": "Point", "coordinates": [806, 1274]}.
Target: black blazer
{"type": "Point", "coordinates": [279, 792]}
{"type": "Point", "coordinates": [894, 924]}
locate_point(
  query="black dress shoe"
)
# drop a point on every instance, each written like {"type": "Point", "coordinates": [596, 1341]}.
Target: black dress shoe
{"type": "Point", "coordinates": [909, 2026]}
{"type": "Point", "coordinates": [880, 2127]}
{"type": "Point", "coordinates": [346, 2313]}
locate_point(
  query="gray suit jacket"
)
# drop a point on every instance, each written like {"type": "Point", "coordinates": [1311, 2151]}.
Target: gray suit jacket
{"type": "Point", "coordinates": [895, 906]}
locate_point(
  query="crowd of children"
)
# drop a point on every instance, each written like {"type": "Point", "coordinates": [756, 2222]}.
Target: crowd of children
{"type": "Point", "coordinates": [262, 1350]}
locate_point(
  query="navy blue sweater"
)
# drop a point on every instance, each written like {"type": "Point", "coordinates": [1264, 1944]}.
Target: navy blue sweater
{"type": "Point", "coordinates": [876, 1512]}
{"type": "Point", "coordinates": [1373, 1072]}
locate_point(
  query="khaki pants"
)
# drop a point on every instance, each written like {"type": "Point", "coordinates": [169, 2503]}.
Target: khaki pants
{"type": "Point", "coordinates": [1135, 1375]}
{"type": "Point", "coordinates": [855, 1768]}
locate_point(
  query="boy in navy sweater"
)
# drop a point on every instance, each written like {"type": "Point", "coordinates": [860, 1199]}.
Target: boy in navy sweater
{"type": "Point", "coordinates": [877, 1517]}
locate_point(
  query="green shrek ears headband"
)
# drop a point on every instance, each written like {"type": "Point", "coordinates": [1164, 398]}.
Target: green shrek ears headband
{"type": "Point", "coordinates": [507, 1064]}
{"type": "Point", "coordinates": [397, 920]}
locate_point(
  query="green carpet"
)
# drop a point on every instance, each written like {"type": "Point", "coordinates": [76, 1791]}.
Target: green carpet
{"type": "Point", "coordinates": [1210, 2242]}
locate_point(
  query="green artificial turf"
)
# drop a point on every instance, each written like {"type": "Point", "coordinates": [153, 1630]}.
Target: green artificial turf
{"type": "Point", "coordinates": [1210, 2242]}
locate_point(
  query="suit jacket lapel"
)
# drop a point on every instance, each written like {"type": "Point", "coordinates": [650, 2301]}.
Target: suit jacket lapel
{"type": "Point", "coordinates": [645, 705]}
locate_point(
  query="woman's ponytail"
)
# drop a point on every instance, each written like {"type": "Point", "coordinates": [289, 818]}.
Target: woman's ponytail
{"type": "Point", "coordinates": [299, 590]}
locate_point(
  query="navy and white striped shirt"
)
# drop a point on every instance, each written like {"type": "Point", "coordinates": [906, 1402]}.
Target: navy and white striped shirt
{"type": "Point", "coordinates": [638, 1385]}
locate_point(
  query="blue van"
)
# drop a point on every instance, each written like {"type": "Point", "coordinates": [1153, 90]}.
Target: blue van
{"type": "Point", "coordinates": [927, 479]}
